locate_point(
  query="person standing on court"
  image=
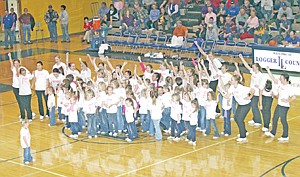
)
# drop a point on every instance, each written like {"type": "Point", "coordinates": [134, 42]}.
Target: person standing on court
{"type": "Point", "coordinates": [25, 142]}
{"type": "Point", "coordinates": [40, 83]}
{"type": "Point", "coordinates": [51, 18]}
{"type": "Point", "coordinates": [8, 26]}
{"type": "Point", "coordinates": [64, 21]}
{"type": "Point", "coordinates": [26, 25]}
{"type": "Point", "coordinates": [15, 16]}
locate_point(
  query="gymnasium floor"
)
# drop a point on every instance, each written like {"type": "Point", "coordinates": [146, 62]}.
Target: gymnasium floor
{"type": "Point", "coordinates": [58, 155]}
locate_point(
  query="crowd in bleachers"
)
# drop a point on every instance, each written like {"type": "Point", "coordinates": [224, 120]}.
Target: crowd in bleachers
{"type": "Point", "coordinates": [219, 20]}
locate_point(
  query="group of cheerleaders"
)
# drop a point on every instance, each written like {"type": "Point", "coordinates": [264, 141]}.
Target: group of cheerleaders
{"type": "Point", "coordinates": [174, 99]}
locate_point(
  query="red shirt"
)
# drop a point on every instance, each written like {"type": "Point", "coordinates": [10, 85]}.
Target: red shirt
{"type": "Point", "coordinates": [88, 25]}
{"type": "Point", "coordinates": [216, 3]}
{"type": "Point", "coordinates": [229, 2]}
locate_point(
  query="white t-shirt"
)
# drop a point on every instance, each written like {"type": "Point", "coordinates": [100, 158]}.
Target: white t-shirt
{"type": "Point", "coordinates": [156, 110]}
{"type": "Point", "coordinates": [61, 65]}
{"type": "Point", "coordinates": [226, 77]}
{"type": "Point", "coordinates": [60, 98]}
{"type": "Point", "coordinates": [51, 101]}
{"type": "Point", "coordinates": [15, 81]}
{"type": "Point", "coordinates": [164, 73]}
{"type": "Point", "coordinates": [257, 82]}
{"type": "Point", "coordinates": [201, 94]}
{"type": "Point", "coordinates": [240, 93]}
{"type": "Point", "coordinates": [227, 103]}
{"type": "Point", "coordinates": [110, 99]}
{"type": "Point", "coordinates": [73, 116]}
{"type": "Point", "coordinates": [24, 84]}
{"type": "Point", "coordinates": [129, 111]}
{"type": "Point", "coordinates": [284, 92]}
{"type": "Point", "coordinates": [148, 75]}
{"type": "Point", "coordinates": [65, 103]}
{"type": "Point", "coordinates": [186, 110]}
{"type": "Point", "coordinates": [194, 118]}
{"type": "Point", "coordinates": [212, 69]}
{"type": "Point", "coordinates": [41, 79]}
{"type": "Point", "coordinates": [143, 105]}
{"type": "Point", "coordinates": [75, 73]}
{"type": "Point", "coordinates": [90, 106]}
{"type": "Point", "coordinates": [120, 93]}
{"type": "Point", "coordinates": [55, 81]}
{"type": "Point", "coordinates": [86, 74]}
{"type": "Point", "coordinates": [166, 98]}
{"type": "Point", "coordinates": [101, 97]}
{"type": "Point", "coordinates": [175, 112]}
{"type": "Point", "coordinates": [210, 108]}
{"type": "Point", "coordinates": [24, 133]}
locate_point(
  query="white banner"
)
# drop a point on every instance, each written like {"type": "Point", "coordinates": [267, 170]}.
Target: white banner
{"type": "Point", "coordinates": [278, 60]}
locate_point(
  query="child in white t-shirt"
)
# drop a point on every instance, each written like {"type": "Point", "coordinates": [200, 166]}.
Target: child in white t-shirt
{"type": "Point", "coordinates": [175, 117]}
{"type": "Point", "coordinates": [51, 105]}
{"type": "Point", "coordinates": [25, 142]}
{"type": "Point", "coordinates": [73, 116]}
{"type": "Point", "coordinates": [129, 116]}
{"type": "Point", "coordinates": [210, 107]}
{"type": "Point", "coordinates": [193, 122]}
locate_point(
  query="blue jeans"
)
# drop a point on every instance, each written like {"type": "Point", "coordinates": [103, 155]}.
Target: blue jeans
{"type": "Point", "coordinates": [166, 118]}
{"type": "Point", "coordinates": [60, 117]}
{"type": "Point", "coordinates": [221, 101]}
{"type": "Point", "coordinates": [103, 121]}
{"type": "Point", "coordinates": [187, 126]}
{"type": "Point", "coordinates": [192, 132]}
{"type": "Point", "coordinates": [26, 30]}
{"type": "Point", "coordinates": [67, 125]}
{"type": "Point", "coordinates": [65, 32]}
{"type": "Point", "coordinates": [131, 130]}
{"type": "Point", "coordinates": [227, 123]}
{"type": "Point", "coordinates": [202, 118]}
{"type": "Point", "coordinates": [92, 127]}
{"type": "Point", "coordinates": [74, 128]}
{"type": "Point", "coordinates": [175, 125]}
{"type": "Point", "coordinates": [120, 119]}
{"type": "Point", "coordinates": [213, 122]}
{"type": "Point", "coordinates": [280, 111]}
{"type": "Point", "coordinates": [27, 155]}
{"type": "Point", "coordinates": [264, 38]}
{"type": "Point", "coordinates": [112, 119]}
{"type": "Point", "coordinates": [145, 122]}
{"type": "Point", "coordinates": [81, 119]}
{"type": "Point", "coordinates": [52, 30]}
{"type": "Point", "coordinates": [158, 135]}
{"type": "Point", "coordinates": [25, 101]}
{"type": "Point", "coordinates": [8, 32]}
{"type": "Point", "coordinates": [52, 116]}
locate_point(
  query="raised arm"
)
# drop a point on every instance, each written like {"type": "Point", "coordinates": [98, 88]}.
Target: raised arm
{"type": "Point", "coordinates": [166, 62]}
{"type": "Point", "coordinates": [142, 64]}
{"type": "Point", "coordinates": [109, 64]}
{"type": "Point", "coordinates": [10, 60]}
{"type": "Point", "coordinates": [173, 69]}
{"type": "Point", "coordinates": [67, 59]}
{"type": "Point", "coordinates": [244, 62]}
{"type": "Point", "coordinates": [204, 68]}
{"type": "Point", "coordinates": [93, 61]}
{"type": "Point", "coordinates": [200, 50]}
{"type": "Point", "coordinates": [271, 75]}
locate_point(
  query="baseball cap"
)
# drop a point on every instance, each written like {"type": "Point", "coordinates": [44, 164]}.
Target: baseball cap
{"type": "Point", "coordinates": [283, 4]}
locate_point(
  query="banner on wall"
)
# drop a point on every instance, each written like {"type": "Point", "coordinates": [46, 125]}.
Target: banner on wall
{"type": "Point", "coordinates": [278, 58]}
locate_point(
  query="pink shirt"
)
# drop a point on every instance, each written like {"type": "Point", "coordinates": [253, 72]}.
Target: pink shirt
{"type": "Point", "coordinates": [118, 5]}
{"type": "Point", "coordinates": [208, 15]}
{"type": "Point", "coordinates": [253, 22]}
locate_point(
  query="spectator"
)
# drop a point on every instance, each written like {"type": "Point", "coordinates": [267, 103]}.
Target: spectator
{"type": "Point", "coordinates": [267, 8]}
{"type": "Point", "coordinates": [201, 32]}
{"type": "Point", "coordinates": [179, 34]}
{"type": "Point", "coordinates": [212, 21]}
{"type": "Point", "coordinates": [247, 6]}
{"type": "Point", "coordinates": [262, 32]}
{"type": "Point", "coordinates": [211, 33]}
{"type": "Point", "coordinates": [220, 23]}
{"type": "Point", "coordinates": [50, 18]}
{"type": "Point", "coordinates": [216, 3]}
{"type": "Point", "coordinates": [103, 11]}
{"type": "Point", "coordinates": [204, 10]}
{"type": "Point", "coordinates": [252, 22]}
{"type": "Point", "coordinates": [285, 26]}
{"type": "Point", "coordinates": [8, 26]}
{"type": "Point", "coordinates": [209, 14]}
{"type": "Point", "coordinates": [26, 26]}
{"type": "Point", "coordinates": [123, 12]}
{"type": "Point", "coordinates": [64, 21]}
{"type": "Point", "coordinates": [112, 15]}
{"type": "Point", "coordinates": [229, 30]}
{"type": "Point", "coordinates": [233, 10]}
{"type": "Point", "coordinates": [241, 21]}
{"type": "Point", "coordinates": [229, 2]}
{"type": "Point", "coordinates": [292, 40]}
{"type": "Point", "coordinates": [222, 10]}
{"type": "Point", "coordinates": [118, 4]}
{"type": "Point", "coordinates": [127, 23]}
{"type": "Point", "coordinates": [168, 2]}
{"type": "Point", "coordinates": [15, 16]}
{"type": "Point", "coordinates": [154, 16]}
{"type": "Point", "coordinates": [148, 4]}
{"type": "Point", "coordinates": [141, 15]}
{"type": "Point", "coordinates": [137, 29]}
{"type": "Point", "coordinates": [162, 21]}
{"type": "Point", "coordinates": [285, 10]}
{"type": "Point", "coordinates": [173, 12]}
{"type": "Point", "coordinates": [87, 26]}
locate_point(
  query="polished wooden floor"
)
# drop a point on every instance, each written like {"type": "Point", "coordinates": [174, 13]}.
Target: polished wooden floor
{"type": "Point", "coordinates": [58, 155]}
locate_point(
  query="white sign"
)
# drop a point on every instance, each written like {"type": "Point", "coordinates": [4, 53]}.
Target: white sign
{"type": "Point", "coordinates": [278, 60]}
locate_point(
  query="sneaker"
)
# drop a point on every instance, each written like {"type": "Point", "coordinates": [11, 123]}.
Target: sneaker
{"type": "Point", "coordinates": [115, 134]}
{"type": "Point", "coordinates": [26, 163]}
{"type": "Point", "coordinates": [90, 137]}
{"type": "Point", "coordinates": [75, 136]}
{"type": "Point", "coordinates": [203, 131]}
{"type": "Point", "coordinates": [170, 138]}
{"type": "Point", "coordinates": [242, 140]}
{"type": "Point", "coordinates": [198, 129]}
{"type": "Point", "coordinates": [33, 114]}
{"type": "Point", "coordinates": [25, 43]}
{"type": "Point", "coordinates": [190, 142]}
{"type": "Point", "coordinates": [251, 122]}
{"type": "Point", "coordinates": [47, 116]}
{"type": "Point", "coordinates": [33, 160]}
{"type": "Point", "coordinates": [177, 139]}
{"type": "Point", "coordinates": [283, 139]}
{"type": "Point", "coordinates": [182, 133]}
{"type": "Point", "coordinates": [124, 131]}
{"type": "Point", "coordinates": [110, 134]}
{"type": "Point", "coordinates": [21, 120]}
{"type": "Point", "coordinates": [269, 134]}
{"type": "Point", "coordinates": [221, 117]}
{"type": "Point", "coordinates": [95, 136]}
{"type": "Point", "coordinates": [226, 134]}
{"type": "Point", "coordinates": [128, 140]}
{"type": "Point", "coordinates": [102, 133]}
{"type": "Point", "coordinates": [264, 129]}
{"type": "Point", "coordinates": [119, 131]}
{"type": "Point", "coordinates": [79, 133]}
{"type": "Point", "coordinates": [186, 139]}
{"type": "Point", "coordinates": [120, 27]}
{"type": "Point", "coordinates": [215, 137]}
{"type": "Point", "coordinates": [71, 136]}
{"type": "Point", "coordinates": [19, 116]}
{"type": "Point", "coordinates": [49, 125]}
{"type": "Point", "coordinates": [204, 134]}
{"type": "Point", "coordinates": [30, 120]}
{"type": "Point", "coordinates": [222, 133]}
{"type": "Point", "coordinates": [247, 133]}
{"type": "Point", "coordinates": [29, 42]}
{"type": "Point", "coordinates": [232, 119]}
{"type": "Point", "coordinates": [110, 26]}
{"type": "Point", "coordinates": [257, 124]}
{"type": "Point", "coordinates": [194, 143]}
{"type": "Point", "coordinates": [41, 117]}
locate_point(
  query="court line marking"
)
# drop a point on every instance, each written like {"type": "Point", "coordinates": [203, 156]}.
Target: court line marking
{"type": "Point", "coordinates": [187, 153]}
{"type": "Point", "coordinates": [35, 168]}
